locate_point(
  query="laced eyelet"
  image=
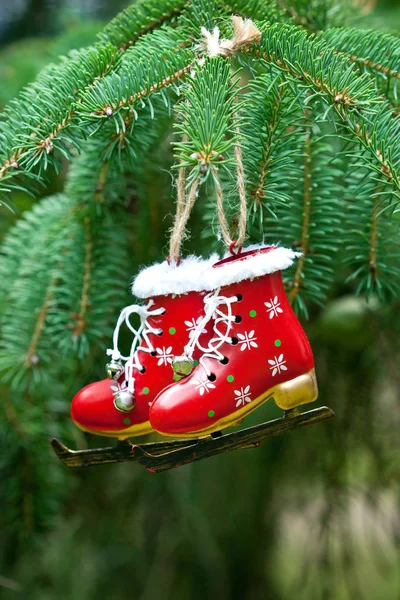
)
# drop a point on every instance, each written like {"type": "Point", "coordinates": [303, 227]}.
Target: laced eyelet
{"type": "Point", "coordinates": [238, 319]}
{"type": "Point", "coordinates": [164, 311]}
{"type": "Point", "coordinates": [234, 341]}
{"type": "Point", "coordinates": [224, 361]}
{"type": "Point", "coordinates": [142, 370]}
{"type": "Point", "coordinates": [212, 377]}
{"type": "Point", "coordinates": [153, 353]}
{"type": "Point", "coordinates": [160, 332]}
{"type": "Point", "coordinates": [239, 297]}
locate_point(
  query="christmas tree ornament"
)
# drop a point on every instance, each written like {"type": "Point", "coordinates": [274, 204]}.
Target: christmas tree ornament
{"type": "Point", "coordinates": [231, 339]}
{"type": "Point", "coordinates": [118, 406]}
{"type": "Point", "coordinates": [182, 366]}
{"type": "Point", "coordinates": [114, 369]}
{"type": "Point", "coordinates": [258, 350]}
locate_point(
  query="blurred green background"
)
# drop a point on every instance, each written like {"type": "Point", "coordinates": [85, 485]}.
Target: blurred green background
{"type": "Point", "coordinates": [312, 515]}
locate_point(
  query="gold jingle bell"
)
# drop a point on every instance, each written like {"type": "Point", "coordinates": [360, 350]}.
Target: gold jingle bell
{"type": "Point", "coordinates": [182, 367]}
{"type": "Point", "coordinates": [124, 401]}
{"type": "Point", "coordinates": [114, 369]}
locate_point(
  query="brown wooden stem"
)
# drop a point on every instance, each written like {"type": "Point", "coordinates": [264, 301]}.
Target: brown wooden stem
{"type": "Point", "coordinates": [258, 193]}
{"type": "Point", "coordinates": [373, 240]}
{"type": "Point", "coordinates": [87, 275]}
{"type": "Point", "coordinates": [31, 354]}
{"type": "Point", "coordinates": [305, 229]}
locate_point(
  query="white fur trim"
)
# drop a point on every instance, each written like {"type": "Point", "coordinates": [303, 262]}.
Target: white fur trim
{"type": "Point", "coordinates": [161, 278]}
{"type": "Point", "coordinates": [255, 265]}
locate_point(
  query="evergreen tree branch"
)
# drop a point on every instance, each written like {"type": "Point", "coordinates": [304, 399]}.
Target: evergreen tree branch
{"type": "Point", "coordinates": [377, 51]}
{"type": "Point", "coordinates": [298, 202]}
{"type": "Point", "coordinates": [305, 226]}
{"type": "Point", "coordinates": [373, 241]}
{"type": "Point", "coordinates": [35, 125]}
{"type": "Point", "coordinates": [297, 19]}
{"type": "Point", "coordinates": [258, 10]}
{"type": "Point", "coordinates": [267, 118]}
{"type": "Point", "coordinates": [139, 19]}
{"type": "Point", "coordinates": [31, 358]}
{"type": "Point", "coordinates": [86, 281]}
{"type": "Point", "coordinates": [40, 126]}
{"type": "Point", "coordinates": [352, 97]}
{"type": "Point", "coordinates": [123, 91]}
{"type": "Point", "coordinates": [373, 52]}
{"type": "Point", "coordinates": [206, 120]}
{"type": "Point", "coordinates": [370, 234]}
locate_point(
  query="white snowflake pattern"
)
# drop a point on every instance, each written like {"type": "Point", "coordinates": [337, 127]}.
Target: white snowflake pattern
{"type": "Point", "coordinates": [192, 325]}
{"type": "Point", "coordinates": [118, 387]}
{"type": "Point", "coordinates": [242, 396]}
{"type": "Point", "coordinates": [247, 340]}
{"type": "Point", "coordinates": [277, 365]}
{"type": "Point", "coordinates": [203, 384]}
{"type": "Point", "coordinates": [273, 307]}
{"type": "Point", "coordinates": [165, 355]}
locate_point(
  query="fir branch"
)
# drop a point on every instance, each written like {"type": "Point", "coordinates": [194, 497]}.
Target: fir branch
{"type": "Point", "coordinates": [353, 98]}
{"type": "Point", "coordinates": [121, 92]}
{"type": "Point", "coordinates": [317, 15]}
{"type": "Point", "coordinates": [309, 219]}
{"type": "Point", "coordinates": [40, 126]}
{"type": "Point", "coordinates": [34, 127]}
{"type": "Point", "coordinates": [370, 234]}
{"type": "Point", "coordinates": [32, 487]}
{"type": "Point", "coordinates": [31, 358]}
{"type": "Point", "coordinates": [86, 281]}
{"type": "Point", "coordinates": [25, 351]}
{"type": "Point", "coordinates": [270, 143]}
{"type": "Point", "coordinates": [377, 51]}
{"type": "Point", "coordinates": [92, 285]}
{"type": "Point", "coordinates": [305, 226]}
{"type": "Point", "coordinates": [142, 17]}
{"type": "Point", "coordinates": [258, 10]}
{"type": "Point", "coordinates": [297, 19]}
{"type": "Point", "coordinates": [373, 241]}
{"type": "Point", "coordinates": [206, 119]}
{"type": "Point", "coordinates": [373, 52]}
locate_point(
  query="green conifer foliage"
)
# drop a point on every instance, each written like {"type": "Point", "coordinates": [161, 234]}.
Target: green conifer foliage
{"type": "Point", "coordinates": [314, 107]}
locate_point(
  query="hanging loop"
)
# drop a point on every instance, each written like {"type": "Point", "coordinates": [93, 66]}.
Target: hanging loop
{"type": "Point", "coordinates": [232, 250]}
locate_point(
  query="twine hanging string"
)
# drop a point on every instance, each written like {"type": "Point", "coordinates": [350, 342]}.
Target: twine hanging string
{"type": "Point", "coordinates": [223, 222]}
{"type": "Point", "coordinates": [181, 219]}
{"type": "Point", "coordinates": [245, 32]}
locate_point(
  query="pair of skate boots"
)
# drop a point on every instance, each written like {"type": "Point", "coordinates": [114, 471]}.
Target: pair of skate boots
{"type": "Point", "coordinates": [215, 340]}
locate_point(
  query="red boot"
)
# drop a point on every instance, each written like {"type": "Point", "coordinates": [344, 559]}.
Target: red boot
{"type": "Point", "coordinates": [259, 350]}
{"type": "Point", "coordinates": [119, 406]}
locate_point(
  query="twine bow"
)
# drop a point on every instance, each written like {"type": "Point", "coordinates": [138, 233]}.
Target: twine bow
{"type": "Point", "coordinates": [244, 33]}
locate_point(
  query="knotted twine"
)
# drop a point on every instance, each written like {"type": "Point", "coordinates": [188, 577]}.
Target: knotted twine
{"type": "Point", "coordinates": [245, 32]}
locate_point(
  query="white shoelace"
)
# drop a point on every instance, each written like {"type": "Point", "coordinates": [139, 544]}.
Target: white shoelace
{"type": "Point", "coordinates": [212, 304]}
{"type": "Point", "coordinates": [133, 361]}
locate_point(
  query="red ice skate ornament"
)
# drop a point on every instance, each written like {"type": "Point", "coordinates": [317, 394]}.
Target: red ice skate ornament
{"type": "Point", "coordinates": [216, 339]}
{"type": "Point", "coordinates": [249, 347]}
{"type": "Point", "coordinates": [258, 349]}
{"type": "Point", "coordinates": [173, 304]}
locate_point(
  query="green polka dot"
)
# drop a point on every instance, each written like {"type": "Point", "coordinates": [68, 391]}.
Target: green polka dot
{"type": "Point", "coordinates": [253, 313]}
{"type": "Point", "coordinates": [195, 362]}
{"type": "Point", "coordinates": [145, 390]}
{"type": "Point", "coordinates": [211, 413]}
{"type": "Point", "coordinates": [230, 378]}
{"type": "Point", "coordinates": [277, 342]}
{"type": "Point", "coordinates": [172, 330]}
{"type": "Point", "coordinates": [127, 421]}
